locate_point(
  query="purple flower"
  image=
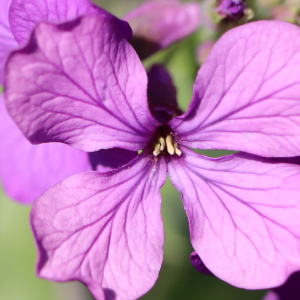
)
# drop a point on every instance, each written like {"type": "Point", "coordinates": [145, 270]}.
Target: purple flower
{"type": "Point", "coordinates": [81, 83]}
{"type": "Point", "coordinates": [158, 24]}
{"type": "Point", "coordinates": [231, 10]}
{"type": "Point", "coordinates": [47, 164]}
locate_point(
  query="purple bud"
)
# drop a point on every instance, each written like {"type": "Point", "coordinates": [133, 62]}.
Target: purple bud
{"type": "Point", "coordinates": [198, 264]}
{"type": "Point", "coordinates": [231, 10]}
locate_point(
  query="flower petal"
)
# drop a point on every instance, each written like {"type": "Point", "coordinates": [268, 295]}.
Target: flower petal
{"type": "Point", "coordinates": [162, 94]}
{"type": "Point", "coordinates": [80, 83]}
{"type": "Point", "coordinates": [26, 171]}
{"type": "Point", "coordinates": [7, 41]}
{"type": "Point", "coordinates": [24, 15]}
{"type": "Point", "coordinates": [247, 93]}
{"type": "Point", "coordinates": [243, 214]}
{"type": "Point", "coordinates": [104, 229]}
{"type": "Point", "coordinates": [157, 24]}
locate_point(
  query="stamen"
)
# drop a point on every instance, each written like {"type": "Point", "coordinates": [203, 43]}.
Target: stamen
{"type": "Point", "coordinates": [162, 143]}
{"type": "Point", "coordinates": [177, 150]}
{"type": "Point", "coordinates": [169, 144]}
{"type": "Point", "coordinates": [156, 149]}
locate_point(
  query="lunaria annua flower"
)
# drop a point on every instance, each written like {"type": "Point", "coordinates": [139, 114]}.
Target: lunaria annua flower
{"type": "Point", "coordinates": [81, 83]}
{"type": "Point", "coordinates": [26, 171]}
{"type": "Point", "coordinates": [157, 24]}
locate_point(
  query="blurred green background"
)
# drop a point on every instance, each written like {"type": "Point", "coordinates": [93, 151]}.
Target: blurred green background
{"type": "Point", "coordinates": [178, 279]}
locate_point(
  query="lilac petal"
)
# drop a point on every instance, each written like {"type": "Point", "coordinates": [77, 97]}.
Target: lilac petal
{"type": "Point", "coordinates": [80, 83]}
{"type": "Point", "coordinates": [104, 229]}
{"type": "Point", "coordinates": [157, 24]}
{"type": "Point", "coordinates": [247, 93]}
{"type": "Point", "coordinates": [290, 290]}
{"type": "Point", "coordinates": [24, 15]}
{"type": "Point", "coordinates": [162, 94]}
{"type": "Point", "coordinates": [26, 171]}
{"type": "Point", "coordinates": [198, 264]}
{"type": "Point", "coordinates": [7, 41]}
{"type": "Point", "coordinates": [243, 213]}
{"type": "Point", "coordinates": [108, 159]}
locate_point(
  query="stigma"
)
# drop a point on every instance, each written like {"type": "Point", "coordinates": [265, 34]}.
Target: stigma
{"type": "Point", "coordinates": [164, 143]}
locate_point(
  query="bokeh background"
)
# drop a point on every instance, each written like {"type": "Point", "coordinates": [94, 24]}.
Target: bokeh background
{"type": "Point", "coordinates": [178, 279]}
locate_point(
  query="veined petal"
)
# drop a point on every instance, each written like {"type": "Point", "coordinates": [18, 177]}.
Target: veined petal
{"type": "Point", "coordinates": [104, 229]}
{"type": "Point", "coordinates": [26, 171]}
{"type": "Point", "coordinates": [24, 15]}
{"type": "Point", "coordinates": [7, 41]}
{"type": "Point", "coordinates": [80, 83]}
{"type": "Point", "coordinates": [243, 213]}
{"type": "Point", "coordinates": [157, 24]}
{"type": "Point", "coordinates": [247, 93]}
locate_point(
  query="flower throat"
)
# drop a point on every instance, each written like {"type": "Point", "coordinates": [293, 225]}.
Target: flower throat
{"type": "Point", "coordinates": [163, 142]}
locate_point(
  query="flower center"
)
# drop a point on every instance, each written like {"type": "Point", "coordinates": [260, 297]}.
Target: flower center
{"type": "Point", "coordinates": [164, 142]}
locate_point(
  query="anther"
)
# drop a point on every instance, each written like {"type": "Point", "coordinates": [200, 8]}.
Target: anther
{"type": "Point", "coordinates": [169, 144]}
{"type": "Point", "coordinates": [157, 149]}
{"type": "Point", "coordinates": [177, 150]}
{"type": "Point", "coordinates": [162, 143]}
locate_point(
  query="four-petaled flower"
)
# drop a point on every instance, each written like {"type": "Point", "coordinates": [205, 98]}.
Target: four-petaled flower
{"type": "Point", "coordinates": [81, 83]}
{"type": "Point", "coordinates": [26, 170]}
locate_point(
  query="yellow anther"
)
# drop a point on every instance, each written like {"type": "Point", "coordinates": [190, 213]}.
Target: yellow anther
{"type": "Point", "coordinates": [169, 144]}
{"type": "Point", "coordinates": [156, 149]}
{"type": "Point", "coordinates": [162, 143]}
{"type": "Point", "coordinates": [177, 150]}
{"type": "Point", "coordinates": [166, 144]}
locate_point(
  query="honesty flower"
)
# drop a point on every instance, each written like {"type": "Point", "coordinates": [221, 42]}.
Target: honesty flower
{"type": "Point", "coordinates": [81, 83]}
{"type": "Point", "coordinates": [158, 24]}
{"type": "Point", "coordinates": [46, 165]}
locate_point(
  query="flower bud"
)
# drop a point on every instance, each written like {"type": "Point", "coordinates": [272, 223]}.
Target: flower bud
{"type": "Point", "coordinates": [231, 10]}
